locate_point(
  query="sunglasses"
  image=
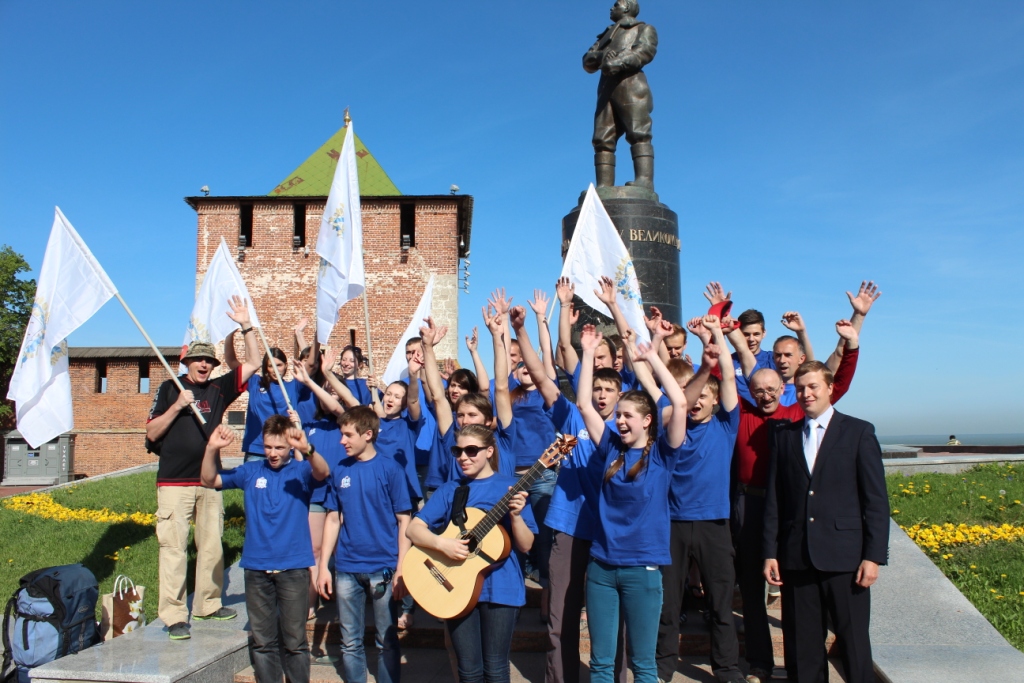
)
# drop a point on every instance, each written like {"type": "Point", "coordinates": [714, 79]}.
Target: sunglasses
{"type": "Point", "coordinates": [470, 450]}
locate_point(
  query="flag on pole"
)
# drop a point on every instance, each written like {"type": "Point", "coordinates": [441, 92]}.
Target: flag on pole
{"type": "Point", "coordinates": [72, 287]}
{"type": "Point", "coordinates": [398, 366]}
{"type": "Point", "coordinates": [209, 321]}
{"type": "Point", "coordinates": [597, 250]}
{"type": "Point", "coordinates": [340, 243]}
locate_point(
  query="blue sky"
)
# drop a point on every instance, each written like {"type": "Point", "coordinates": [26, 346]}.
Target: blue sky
{"type": "Point", "coordinates": [805, 146]}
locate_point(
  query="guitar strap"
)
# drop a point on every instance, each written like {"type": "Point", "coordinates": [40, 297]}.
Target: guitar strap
{"type": "Point", "coordinates": [459, 501]}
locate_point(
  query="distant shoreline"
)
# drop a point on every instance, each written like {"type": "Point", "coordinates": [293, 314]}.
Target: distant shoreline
{"type": "Point", "coordinates": [1010, 439]}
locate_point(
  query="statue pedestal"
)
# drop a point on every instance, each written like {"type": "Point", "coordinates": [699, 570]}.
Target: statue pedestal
{"type": "Point", "coordinates": [650, 231]}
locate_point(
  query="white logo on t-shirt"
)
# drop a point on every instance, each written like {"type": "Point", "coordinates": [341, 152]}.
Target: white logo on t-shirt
{"type": "Point", "coordinates": [312, 431]}
{"type": "Point", "coordinates": [346, 482]}
{"type": "Point", "coordinates": [261, 483]}
{"type": "Point", "coordinates": [584, 435]}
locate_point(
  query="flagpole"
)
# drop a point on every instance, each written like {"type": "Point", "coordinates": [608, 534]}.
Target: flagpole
{"type": "Point", "coordinates": [273, 365]}
{"type": "Point", "coordinates": [362, 257]}
{"type": "Point", "coordinates": [174, 377]}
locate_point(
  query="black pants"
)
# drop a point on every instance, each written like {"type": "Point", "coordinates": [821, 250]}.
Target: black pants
{"type": "Point", "coordinates": [709, 544]}
{"type": "Point", "coordinates": [808, 595]}
{"type": "Point", "coordinates": [277, 605]}
{"type": "Point", "coordinates": [748, 534]}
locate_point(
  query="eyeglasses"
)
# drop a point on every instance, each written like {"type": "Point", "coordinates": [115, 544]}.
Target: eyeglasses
{"type": "Point", "coordinates": [379, 589]}
{"type": "Point", "coordinates": [470, 450]}
{"type": "Point", "coordinates": [764, 393]}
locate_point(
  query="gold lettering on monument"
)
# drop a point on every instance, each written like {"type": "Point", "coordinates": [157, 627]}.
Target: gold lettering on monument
{"type": "Point", "coordinates": [636, 235]}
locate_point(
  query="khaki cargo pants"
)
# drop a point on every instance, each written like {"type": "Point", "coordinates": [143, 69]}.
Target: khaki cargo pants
{"type": "Point", "coordinates": [176, 507]}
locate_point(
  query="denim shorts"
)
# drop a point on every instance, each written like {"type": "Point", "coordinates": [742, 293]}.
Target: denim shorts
{"type": "Point", "coordinates": [317, 507]}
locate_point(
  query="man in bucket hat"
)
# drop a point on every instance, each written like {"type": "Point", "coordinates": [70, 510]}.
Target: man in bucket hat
{"type": "Point", "coordinates": [175, 434]}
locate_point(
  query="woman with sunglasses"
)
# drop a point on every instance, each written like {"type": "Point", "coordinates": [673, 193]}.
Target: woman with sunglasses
{"type": "Point", "coordinates": [483, 638]}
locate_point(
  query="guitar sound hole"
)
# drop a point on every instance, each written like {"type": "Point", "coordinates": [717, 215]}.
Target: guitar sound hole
{"type": "Point", "coordinates": [472, 544]}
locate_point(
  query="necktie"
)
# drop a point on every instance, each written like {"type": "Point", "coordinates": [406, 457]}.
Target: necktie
{"type": "Point", "coordinates": [811, 443]}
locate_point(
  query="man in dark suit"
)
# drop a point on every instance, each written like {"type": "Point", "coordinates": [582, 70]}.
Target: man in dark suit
{"type": "Point", "coordinates": [826, 530]}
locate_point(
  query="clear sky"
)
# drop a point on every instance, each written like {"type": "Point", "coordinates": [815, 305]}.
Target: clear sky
{"type": "Point", "coordinates": [805, 146]}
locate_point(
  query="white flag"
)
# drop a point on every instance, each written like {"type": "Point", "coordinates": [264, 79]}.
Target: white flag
{"type": "Point", "coordinates": [398, 366]}
{"type": "Point", "coordinates": [209, 321]}
{"type": "Point", "coordinates": [72, 287]}
{"type": "Point", "coordinates": [597, 250]}
{"type": "Point", "coordinates": [340, 243]}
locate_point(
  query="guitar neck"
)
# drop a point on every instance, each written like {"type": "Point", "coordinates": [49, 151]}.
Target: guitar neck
{"type": "Point", "coordinates": [500, 509]}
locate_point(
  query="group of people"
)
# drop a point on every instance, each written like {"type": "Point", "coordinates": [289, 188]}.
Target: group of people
{"type": "Point", "coordinates": [734, 470]}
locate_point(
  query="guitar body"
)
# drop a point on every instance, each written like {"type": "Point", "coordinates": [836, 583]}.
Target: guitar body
{"type": "Point", "coordinates": [449, 589]}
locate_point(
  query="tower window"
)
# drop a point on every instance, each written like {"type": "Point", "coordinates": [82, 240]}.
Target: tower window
{"type": "Point", "coordinates": [143, 376]}
{"type": "Point", "coordinates": [407, 226]}
{"type": "Point", "coordinates": [101, 377]}
{"type": "Point", "coordinates": [245, 225]}
{"type": "Point", "coordinates": [299, 226]}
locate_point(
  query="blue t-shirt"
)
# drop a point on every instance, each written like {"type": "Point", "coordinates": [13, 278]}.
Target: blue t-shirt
{"type": "Point", "coordinates": [262, 404]}
{"type": "Point", "coordinates": [629, 380]}
{"type": "Point", "coordinates": [368, 494]}
{"type": "Point", "coordinates": [397, 440]}
{"type": "Point", "coordinates": [445, 468]}
{"type": "Point", "coordinates": [533, 429]}
{"type": "Point", "coordinates": [360, 390]}
{"type": "Point", "coordinates": [276, 514]}
{"type": "Point", "coordinates": [634, 521]}
{"type": "Point", "coordinates": [325, 437]}
{"type": "Point", "coordinates": [573, 506]}
{"type": "Point", "coordinates": [763, 359]}
{"type": "Point", "coordinates": [700, 480]}
{"type": "Point", "coordinates": [505, 584]}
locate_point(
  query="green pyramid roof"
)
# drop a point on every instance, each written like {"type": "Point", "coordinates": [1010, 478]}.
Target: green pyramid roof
{"type": "Point", "coordinates": [313, 177]}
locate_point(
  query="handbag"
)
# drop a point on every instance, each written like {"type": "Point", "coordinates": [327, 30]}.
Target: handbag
{"type": "Point", "coordinates": [123, 610]}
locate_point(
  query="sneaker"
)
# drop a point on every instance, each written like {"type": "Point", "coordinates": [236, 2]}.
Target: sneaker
{"type": "Point", "coordinates": [758, 676]}
{"type": "Point", "coordinates": [223, 614]}
{"type": "Point", "coordinates": [179, 631]}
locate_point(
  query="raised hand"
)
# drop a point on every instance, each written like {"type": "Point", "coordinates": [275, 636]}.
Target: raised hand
{"type": "Point", "coordinates": [590, 338]}
{"type": "Point", "coordinates": [792, 321]}
{"type": "Point", "coordinates": [492, 318]}
{"type": "Point", "coordinates": [539, 303]}
{"type": "Point", "coordinates": [297, 440]}
{"type": "Point", "coordinates": [847, 331]}
{"type": "Point", "coordinates": [299, 370]}
{"type": "Point", "coordinates": [221, 437]}
{"type": "Point", "coordinates": [653, 320]}
{"type": "Point", "coordinates": [714, 293]}
{"type": "Point", "coordinates": [517, 316]}
{"type": "Point", "coordinates": [300, 326]}
{"type": "Point", "coordinates": [448, 367]}
{"type": "Point", "coordinates": [607, 292]}
{"type": "Point", "coordinates": [432, 334]}
{"type": "Point", "coordinates": [239, 310]}
{"type": "Point", "coordinates": [415, 365]}
{"type": "Point", "coordinates": [574, 316]}
{"type": "Point", "coordinates": [664, 329]}
{"type": "Point", "coordinates": [472, 341]}
{"type": "Point", "coordinates": [565, 291]}
{"type": "Point", "coordinates": [696, 326]}
{"type": "Point", "coordinates": [499, 301]}
{"type": "Point", "coordinates": [330, 357]}
{"type": "Point", "coordinates": [645, 351]}
{"type": "Point", "coordinates": [866, 296]}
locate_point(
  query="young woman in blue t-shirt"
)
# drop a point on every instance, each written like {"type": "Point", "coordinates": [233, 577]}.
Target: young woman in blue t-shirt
{"type": "Point", "coordinates": [482, 639]}
{"type": "Point", "coordinates": [265, 396]}
{"type": "Point", "coordinates": [632, 472]}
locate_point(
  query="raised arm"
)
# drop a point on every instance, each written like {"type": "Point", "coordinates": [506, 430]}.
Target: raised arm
{"type": "Point", "coordinates": [727, 395]}
{"type": "Point", "coordinates": [348, 399]}
{"type": "Point", "coordinates": [748, 363]}
{"type": "Point", "coordinates": [540, 308]}
{"type": "Point", "coordinates": [253, 356]}
{"type": "Point", "coordinates": [862, 303]}
{"type": "Point", "coordinates": [653, 322]}
{"type": "Point", "coordinates": [848, 362]}
{"type": "Point", "coordinates": [794, 323]}
{"type": "Point", "coordinates": [565, 290]}
{"type": "Point", "coordinates": [300, 344]}
{"type": "Point", "coordinates": [607, 296]}
{"type": "Point", "coordinates": [589, 339]}
{"type": "Point", "coordinates": [297, 440]}
{"type": "Point", "coordinates": [642, 369]}
{"type": "Point", "coordinates": [431, 335]}
{"type": "Point", "coordinates": [222, 437]}
{"type": "Point", "coordinates": [502, 400]}
{"type": "Point", "coordinates": [501, 304]}
{"type": "Point", "coordinates": [675, 430]}
{"type": "Point", "coordinates": [230, 356]}
{"type": "Point", "coordinates": [545, 385]}
{"type": "Point", "coordinates": [472, 342]}
{"type": "Point", "coordinates": [412, 396]}
{"type": "Point", "coordinates": [329, 403]}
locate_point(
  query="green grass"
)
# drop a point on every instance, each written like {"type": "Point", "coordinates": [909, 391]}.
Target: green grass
{"type": "Point", "coordinates": [28, 542]}
{"type": "Point", "coordinates": [991, 576]}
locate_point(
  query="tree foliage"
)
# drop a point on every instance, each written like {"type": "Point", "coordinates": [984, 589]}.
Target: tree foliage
{"type": "Point", "coordinates": [15, 310]}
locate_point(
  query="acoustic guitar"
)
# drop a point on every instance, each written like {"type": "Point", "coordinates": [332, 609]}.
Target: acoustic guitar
{"type": "Point", "coordinates": [449, 589]}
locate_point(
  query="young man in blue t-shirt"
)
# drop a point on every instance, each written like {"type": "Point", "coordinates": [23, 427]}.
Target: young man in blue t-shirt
{"type": "Point", "coordinates": [368, 512]}
{"type": "Point", "coordinates": [278, 554]}
{"type": "Point", "coordinates": [699, 508]}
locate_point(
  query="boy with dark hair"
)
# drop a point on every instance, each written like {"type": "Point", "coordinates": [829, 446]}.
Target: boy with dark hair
{"type": "Point", "coordinates": [277, 554]}
{"type": "Point", "coordinates": [368, 513]}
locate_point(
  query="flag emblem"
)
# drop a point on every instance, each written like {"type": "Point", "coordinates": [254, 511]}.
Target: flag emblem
{"type": "Point", "coordinates": [59, 352]}
{"type": "Point", "coordinates": [197, 331]}
{"type": "Point", "coordinates": [338, 220]}
{"type": "Point", "coordinates": [41, 315]}
{"type": "Point", "coordinates": [625, 281]}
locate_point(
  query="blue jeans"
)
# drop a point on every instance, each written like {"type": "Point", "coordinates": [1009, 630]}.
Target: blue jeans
{"type": "Point", "coordinates": [350, 592]}
{"type": "Point", "coordinates": [637, 592]}
{"type": "Point", "coordinates": [277, 605]}
{"type": "Point", "coordinates": [540, 498]}
{"type": "Point", "coordinates": [482, 641]}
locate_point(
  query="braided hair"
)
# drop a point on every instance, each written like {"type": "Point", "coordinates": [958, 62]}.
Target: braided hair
{"type": "Point", "coordinates": [646, 406]}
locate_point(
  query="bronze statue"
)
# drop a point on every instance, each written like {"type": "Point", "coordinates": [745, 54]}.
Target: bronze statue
{"type": "Point", "coordinates": [624, 102]}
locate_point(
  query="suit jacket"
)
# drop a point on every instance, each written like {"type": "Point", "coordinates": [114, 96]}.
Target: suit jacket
{"type": "Point", "coordinates": [838, 515]}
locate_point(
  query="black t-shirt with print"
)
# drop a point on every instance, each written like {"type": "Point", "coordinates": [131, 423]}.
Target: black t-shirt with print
{"type": "Point", "coordinates": [181, 448]}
